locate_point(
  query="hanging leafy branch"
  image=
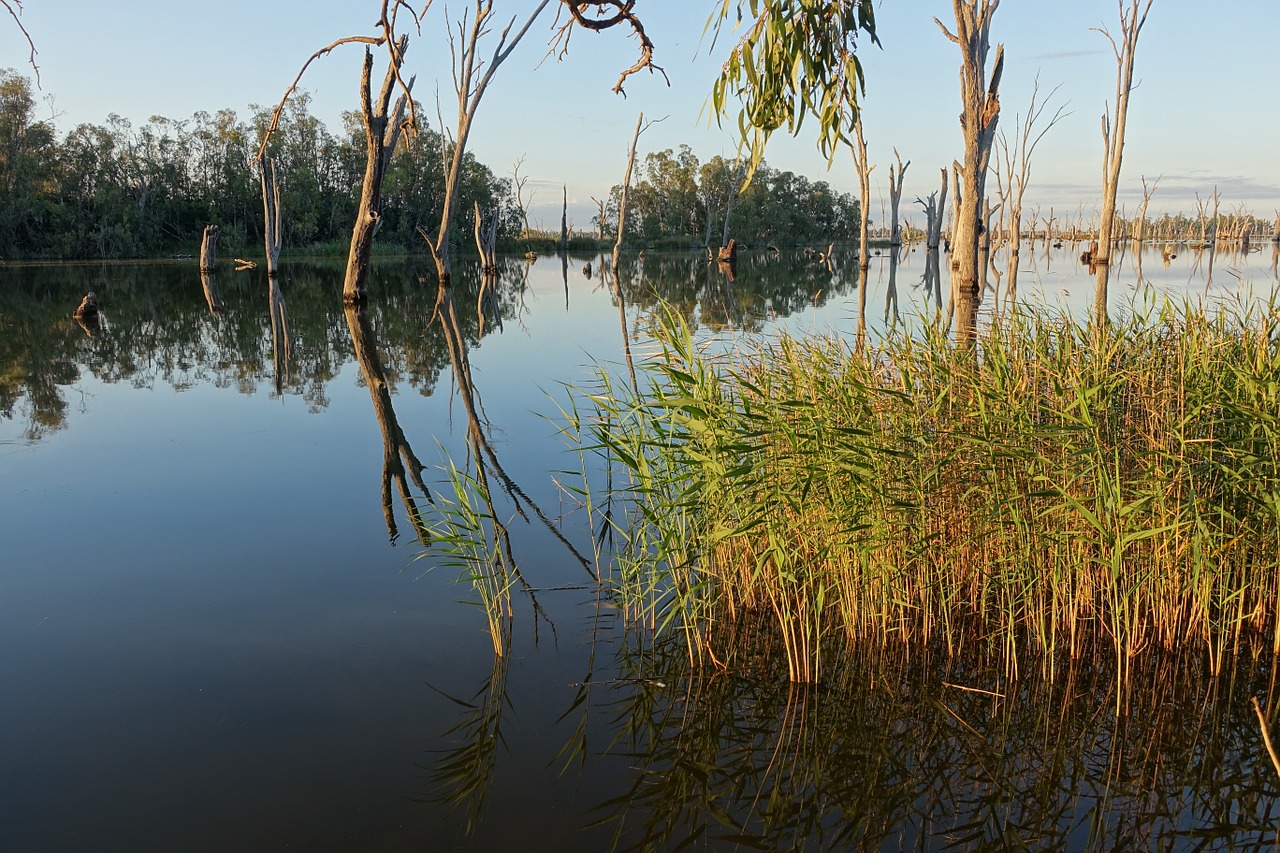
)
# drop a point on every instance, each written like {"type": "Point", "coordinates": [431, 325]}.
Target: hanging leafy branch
{"type": "Point", "coordinates": [795, 58]}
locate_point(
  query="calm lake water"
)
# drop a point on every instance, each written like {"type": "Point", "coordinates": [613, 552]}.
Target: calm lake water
{"type": "Point", "coordinates": [220, 631]}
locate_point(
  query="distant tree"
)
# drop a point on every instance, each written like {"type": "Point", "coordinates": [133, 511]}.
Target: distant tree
{"type": "Point", "coordinates": [26, 154]}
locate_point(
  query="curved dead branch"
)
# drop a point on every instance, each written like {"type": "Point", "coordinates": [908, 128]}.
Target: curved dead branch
{"type": "Point", "coordinates": [14, 8]}
{"type": "Point", "coordinates": [387, 24]}
{"type": "Point", "coordinates": [623, 14]}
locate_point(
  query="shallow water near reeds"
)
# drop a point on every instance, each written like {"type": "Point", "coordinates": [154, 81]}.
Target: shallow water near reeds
{"type": "Point", "coordinates": [222, 630]}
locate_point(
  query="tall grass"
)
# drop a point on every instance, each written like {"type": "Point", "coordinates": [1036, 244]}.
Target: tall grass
{"type": "Point", "coordinates": [1066, 491]}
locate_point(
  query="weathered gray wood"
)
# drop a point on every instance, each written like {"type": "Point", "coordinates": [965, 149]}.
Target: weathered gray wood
{"type": "Point", "coordinates": [980, 111]}
{"type": "Point", "coordinates": [272, 230]}
{"type": "Point", "coordinates": [895, 198]}
{"type": "Point", "coordinates": [486, 241]}
{"type": "Point", "coordinates": [472, 77]}
{"type": "Point", "coordinates": [209, 248]}
{"type": "Point", "coordinates": [863, 169]}
{"type": "Point", "coordinates": [1113, 131]}
{"type": "Point", "coordinates": [626, 188]}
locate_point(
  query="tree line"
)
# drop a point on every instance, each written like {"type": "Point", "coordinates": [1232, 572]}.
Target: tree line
{"type": "Point", "coordinates": [680, 199]}
{"type": "Point", "coordinates": [117, 190]}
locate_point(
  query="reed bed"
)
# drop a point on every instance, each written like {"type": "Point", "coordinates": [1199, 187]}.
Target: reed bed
{"type": "Point", "coordinates": [1063, 491]}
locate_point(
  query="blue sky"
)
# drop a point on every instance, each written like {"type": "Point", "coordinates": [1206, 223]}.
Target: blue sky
{"type": "Point", "coordinates": [1202, 115]}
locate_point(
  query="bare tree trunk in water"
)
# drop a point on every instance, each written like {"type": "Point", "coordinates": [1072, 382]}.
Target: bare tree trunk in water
{"type": "Point", "coordinates": [863, 168]}
{"type": "Point", "coordinates": [979, 97]}
{"type": "Point", "coordinates": [736, 187]}
{"type": "Point", "coordinates": [471, 77]}
{"type": "Point", "coordinates": [1113, 128]}
{"type": "Point", "coordinates": [626, 188]}
{"type": "Point", "coordinates": [381, 134]}
{"type": "Point", "coordinates": [564, 220]}
{"type": "Point", "coordinates": [272, 230]}
{"type": "Point", "coordinates": [895, 198]}
{"type": "Point", "coordinates": [209, 248]}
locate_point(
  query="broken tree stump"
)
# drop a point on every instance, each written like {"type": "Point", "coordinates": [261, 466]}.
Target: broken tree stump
{"type": "Point", "coordinates": [209, 248]}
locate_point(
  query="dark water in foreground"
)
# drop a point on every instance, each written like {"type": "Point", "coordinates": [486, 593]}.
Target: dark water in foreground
{"type": "Point", "coordinates": [216, 635]}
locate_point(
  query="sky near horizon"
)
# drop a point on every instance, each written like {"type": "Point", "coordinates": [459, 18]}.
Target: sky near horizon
{"type": "Point", "coordinates": [1203, 113]}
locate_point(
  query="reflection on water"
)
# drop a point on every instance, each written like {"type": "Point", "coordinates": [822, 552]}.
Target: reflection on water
{"type": "Point", "coordinates": [930, 754]}
{"type": "Point", "coordinates": [279, 606]}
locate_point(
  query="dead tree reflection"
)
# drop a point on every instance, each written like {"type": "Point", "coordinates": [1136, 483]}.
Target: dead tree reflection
{"type": "Point", "coordinates": [400, 465]}
{"type": "Point", "coordinates": [281, 347]}
{"type": "Point", "coordinates": [487, 466]}
{"type": "Point", "coordinates": [209, 284]}
{"type": "Point", "coordinates": [891, 289]}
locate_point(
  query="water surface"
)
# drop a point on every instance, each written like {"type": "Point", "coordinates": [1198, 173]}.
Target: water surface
{"type": "Point", "coordinates": [219, 635]}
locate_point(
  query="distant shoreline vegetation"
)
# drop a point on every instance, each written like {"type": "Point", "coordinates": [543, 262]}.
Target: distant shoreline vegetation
{"type": "Point", "coordinates": [119, 191]}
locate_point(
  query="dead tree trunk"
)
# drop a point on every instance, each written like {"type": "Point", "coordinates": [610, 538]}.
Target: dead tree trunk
{"type": "Point", "coordinates": [979, 96]}
{"type": "Point", "coordinates": [471, 77]}
{"type": "Point", "coordinates": [626, 187]}
{"type": "Point", "coordinates": [1139, 228]}
{"type": "Point", "coordinates": [1113, 129]}
{"type": "Point", "coordinates": [895, 197]}
{"type": "Point", "coordinates": [272, 229]}
{"type": "Point", "coordinates": [934, 210]}
{"type": "Point", "coordinates": [209, 248]}
{"type": "Point", "coordinates": [863, 168]}
{"type": "Point", "coordinates": [382, 126]}
{"type": "Point", "coordinates": [486, 241]}
{"type": "Point", "coordinates": [564, 220]}
{"type": "Point", "coordinates": [734, 189]}
{"type": "Point", "coordinates": [600, 218]}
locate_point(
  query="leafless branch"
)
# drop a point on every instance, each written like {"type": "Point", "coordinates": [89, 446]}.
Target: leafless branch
{"type": "Point", "coordinates": [14, 8]}
{"type": "Point", "coordinates": [622, 14]}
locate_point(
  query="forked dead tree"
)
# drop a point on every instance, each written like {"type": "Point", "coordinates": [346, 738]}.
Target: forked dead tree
{"type": "Point", "coordinates": [382, 129]}
{"type": "Point", "coordinates": [272, 229]}
{"type": "Point", "coordinates": [934, 212]}
{"type": "Point", "coordinates": [1013, 169]}
{"type": "Point", "coordinates": [471, 79]}
{"type": "Point", "coordinates": [1113, 130]}
{"type": "Point", "coordinates": [895, 197]}
{"type": "Point", "coordinates": [517, 185]}
{"type": "Point", "coordinates": [980, 110]}
{"type": "Point", "coordinates": [626, 187]}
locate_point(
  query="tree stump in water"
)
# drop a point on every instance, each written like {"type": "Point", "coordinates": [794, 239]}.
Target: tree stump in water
{"type": "Point", "coordinates": [209, 247]}
{"type": "Point", "coordinates": [729, 253]}
{"type": "Point", "coordinates": [88, 308]}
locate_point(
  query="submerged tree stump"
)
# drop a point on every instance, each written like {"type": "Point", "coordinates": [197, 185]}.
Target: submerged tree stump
{"type": "Point", "coordinates": [88, 308]}
{"type": "Point", "coordinates": [209, 248]}
{"type": "Point", "coordinates": [729, 253]}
